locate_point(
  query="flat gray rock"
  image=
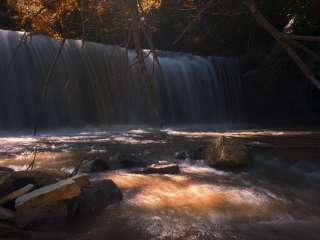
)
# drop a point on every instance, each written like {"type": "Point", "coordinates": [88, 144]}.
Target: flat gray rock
{"type": "Point", "coordinates": [63, 190]}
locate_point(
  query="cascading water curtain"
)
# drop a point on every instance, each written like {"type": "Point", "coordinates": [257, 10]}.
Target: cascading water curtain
{"type": "Point", "coordinates": [93, 84]}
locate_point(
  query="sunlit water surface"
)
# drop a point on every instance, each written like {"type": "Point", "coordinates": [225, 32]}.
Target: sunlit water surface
{"type": "Point", "coordinates": [278, 197]}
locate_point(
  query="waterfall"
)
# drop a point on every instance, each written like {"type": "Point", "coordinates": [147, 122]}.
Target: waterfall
{"type": "Point", "coordinates": [101, 84]}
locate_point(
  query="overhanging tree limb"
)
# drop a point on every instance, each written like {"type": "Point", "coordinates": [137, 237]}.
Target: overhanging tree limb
{"type": "Point", "coordinates": [267, 26]}
{"type": "Point", "coordinates": [137, 29]}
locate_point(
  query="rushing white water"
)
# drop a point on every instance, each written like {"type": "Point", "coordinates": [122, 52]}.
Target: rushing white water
{"type": "Point", "coordinates": [95, 84]}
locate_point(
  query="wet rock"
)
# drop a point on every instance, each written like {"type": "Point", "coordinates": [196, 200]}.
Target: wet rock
{"type": "Point", "coordinates": [48, 204]}
{"type": "Point", "coordinates": [97, 165]}
{"type": "Point", "coordinates": [12, 196]}
{"type": "Point", "coordinates": [65, 189]}
{"type": "Point", "coordinates": [234, 156]}
{"type": "Point", "coordinates": [6, 214]}
{"type": "Point", "coordinates": [97, 197]}
{"type": "Point", "coordinates": [50, 213]}
{"type": "Point", "coordinates": [165, 168]}
{"type": "Point", "coordinates": [82, 180]}
{"type": "Point", "coordinates": [16, 180]}
{"type": "Point", "coordinates": [228, 156]}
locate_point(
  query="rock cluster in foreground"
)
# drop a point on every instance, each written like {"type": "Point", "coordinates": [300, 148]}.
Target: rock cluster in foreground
{"type": "Point", "coordinates": [31, 197]}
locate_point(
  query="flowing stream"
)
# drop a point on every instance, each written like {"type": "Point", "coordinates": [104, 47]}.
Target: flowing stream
{"type": "Point", "coordinates": [277, 197]}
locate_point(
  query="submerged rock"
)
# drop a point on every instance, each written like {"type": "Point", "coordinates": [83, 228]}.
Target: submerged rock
{"type": "Point", "coordinates": [96, 197]}
{"type": "Point", "coordinates": [97, 165]}
{"type": "Point", "coordinates": [224, 156]}
{"type": "Point", "coordinates": [165, 168]}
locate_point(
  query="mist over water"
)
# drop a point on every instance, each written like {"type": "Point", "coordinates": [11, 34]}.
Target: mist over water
{"type": "Point", "coordinates": [99, 84]}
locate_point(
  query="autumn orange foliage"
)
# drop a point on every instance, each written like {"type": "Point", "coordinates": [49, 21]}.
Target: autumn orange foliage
{"type": "Point", "coordinates": [50, 16]}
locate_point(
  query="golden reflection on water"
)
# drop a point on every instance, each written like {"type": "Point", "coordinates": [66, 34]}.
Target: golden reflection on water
{"type": "Point", "coordinates": [54, 160]}
{"type": "Point", "coordinates": [184, 195]}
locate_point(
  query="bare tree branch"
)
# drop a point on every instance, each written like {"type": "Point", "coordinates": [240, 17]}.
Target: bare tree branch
{"type": "Point", "coordinates": [43, 99]}
{"type": "Point", "coordinates": [267, 26]}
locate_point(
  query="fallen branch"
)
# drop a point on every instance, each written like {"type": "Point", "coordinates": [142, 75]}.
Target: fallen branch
{"type": "Point", "coordinates": [137, 27]}
{"type": "Point", "coordinates": [43, 98]}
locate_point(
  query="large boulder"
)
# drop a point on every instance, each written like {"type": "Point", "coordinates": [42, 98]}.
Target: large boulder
{"type": "Point", "coordinates": [228, 156]}
{"type": "Point", "coordinates": [47, 203]}
{"type": "Point", "coordinates": [162, 168]}
{"type": "Point", "coordinates": [96, 197]}
{"type": "Point", "coordinates": [49, 213]}
{"type": "Point", "coordinates": [50, 204]}
{"type": "Point", "coordinates": [63, 190]}
{"type": "Point", "coordinates": [17, 180]}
